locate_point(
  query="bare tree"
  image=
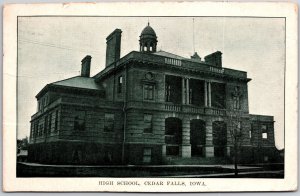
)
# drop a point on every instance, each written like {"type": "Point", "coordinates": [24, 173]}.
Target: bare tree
{"type": "Point", "coordinates": [236, 134]}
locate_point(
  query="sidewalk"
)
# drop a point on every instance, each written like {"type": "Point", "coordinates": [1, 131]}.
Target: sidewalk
{"type": "Point", "coordinates": [144, 166]}
{"type": "Point", "coordinates": [190, 171]}
{"type": "Point", "coordinates": [229, 174]}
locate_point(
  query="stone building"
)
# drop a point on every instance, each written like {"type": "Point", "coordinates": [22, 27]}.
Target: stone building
{"type": "Point", "coordinates": [150, 107]}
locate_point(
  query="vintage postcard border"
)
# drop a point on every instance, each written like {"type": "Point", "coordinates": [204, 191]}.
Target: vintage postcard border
{"type": "Point", "coordinates": [11, 12]}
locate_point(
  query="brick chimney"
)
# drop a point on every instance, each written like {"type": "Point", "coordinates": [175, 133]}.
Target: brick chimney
{"type": "Point", "coordinates": [113, 47]}
{"type": "Point", "coordinates": [214, 59]}
{"type": "Point", "coordinates": [86, 66]}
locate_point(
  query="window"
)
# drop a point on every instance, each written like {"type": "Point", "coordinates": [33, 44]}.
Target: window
{"type": "Point", "coordinates": [191, 96]}
{"type": "Point", "coordinates": [42, 105]}
{"type": "Point", "coordinates": [265, 135]}
{"type": "Point", "coordinates": [79, 121]}
{"type": "Point", "coordinates": [173, 89]}
{"type": "Point", "coordinates": [46, 100]}
{"type": "Point", "coordinates": [41, 130]}
{"type": "Point", "coordinates": [148, 92]}
{"type": "Point", "coordinates": [168, 93]}
{"type": "Point", "coordinates": [147, 123]}
{"type": "Point", "coordinates": [147, 155]}
{"type": "Point", "coordinates": [109, 122]}
{"type": "Point", "coordinates": [39, 106]}
{"type": "Point", "coordinates": [218, 93]}
{"type": "Point", "coordinates": [264, 128]}
{"type": "Point", "coordinates": [196, 93]}
{"type": "Point", "coordinates": [46, 125]}
{"type": "Point", "coordinates": [172, 150]}
{"type": "Point", "coordinates": [56, 121]}
{"type": "Point", "coordinates": [120, 84]}
{"type": "Point", "coordinates": [49, 123]}
{"type": "Point", "coordinates": [250, 132]}
{"type": "Point", "coordinates": [36, 129]}
{"type": "Point", "coordinates": [264, 131]}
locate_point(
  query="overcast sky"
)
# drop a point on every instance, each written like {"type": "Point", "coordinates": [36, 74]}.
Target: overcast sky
{"type": "Point", "coordinates": [51, 49]}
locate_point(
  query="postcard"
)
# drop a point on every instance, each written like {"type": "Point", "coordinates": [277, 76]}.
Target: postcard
{"type": "Point", "coordinates": [150, 97]}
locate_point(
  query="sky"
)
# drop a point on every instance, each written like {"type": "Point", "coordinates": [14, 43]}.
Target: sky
{"type": "Point", "coordinates": [51, 49]}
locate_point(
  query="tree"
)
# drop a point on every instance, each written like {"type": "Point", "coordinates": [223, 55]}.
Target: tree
{"type": "Point", "coordinates": [236, 133]}
{"type": "Point", "coordinates": [22, 144]}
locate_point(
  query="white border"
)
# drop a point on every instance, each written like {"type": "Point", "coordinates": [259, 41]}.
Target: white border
{"type": "Point", "coordinates": [10, 13]}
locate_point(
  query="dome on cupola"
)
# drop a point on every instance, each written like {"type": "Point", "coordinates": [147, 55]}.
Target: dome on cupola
{"type": "Point", "coordinates": [148, 32]}
{"type": "Point", "coordinates": [148, 39]}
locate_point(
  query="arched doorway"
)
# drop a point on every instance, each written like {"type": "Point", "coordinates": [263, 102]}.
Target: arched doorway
{"type": "Point", "coordinates": [219, 138]}
{"type": "Point", "coordinates": [197, 137]}
{"type": "Point", "coordinates": [173, 135]}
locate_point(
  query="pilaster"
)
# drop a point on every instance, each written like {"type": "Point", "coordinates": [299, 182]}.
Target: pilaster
{"type": "Point", "coordinates": [185, 147]}
{"type": "Point", "coordinates": [209, 148]}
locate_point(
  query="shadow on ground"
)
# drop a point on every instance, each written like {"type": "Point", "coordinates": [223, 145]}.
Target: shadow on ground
{"type": "Point", "coordinates": [184, 171]}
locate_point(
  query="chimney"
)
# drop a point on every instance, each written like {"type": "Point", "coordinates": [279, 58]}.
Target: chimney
{"type": "Point", "coordinates": [113, 47]}
{"type": "Point", "coordinates": [214, 59]}
{"type": "Point", "coordinates": [86, 66]}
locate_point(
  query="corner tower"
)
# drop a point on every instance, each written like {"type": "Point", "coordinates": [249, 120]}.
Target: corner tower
{"type": "Point", "coordinates": [148, 40]}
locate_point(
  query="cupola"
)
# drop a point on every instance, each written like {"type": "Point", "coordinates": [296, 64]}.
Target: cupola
{"type": "Point", "coordinates": [148, 40]}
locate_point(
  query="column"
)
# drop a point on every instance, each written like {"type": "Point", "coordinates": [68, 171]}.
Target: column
{"type": "Point", "coordinates": [187, 91]}
{"type": "Point", "coordinates": [209, 93]}
{"type": "Point", "coordinates": [209, 148]}
{"type": "Point", "coordinates": [205, 93]}
{"type": "Point", "coordinates": [185, 147]}
{"type": "Point", "coordinates": [183, 91]}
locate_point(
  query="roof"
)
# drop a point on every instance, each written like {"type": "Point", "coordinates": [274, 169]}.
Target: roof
{"type": "Point", "coordinates": [148, 30]}
{"type": "Point", "coordinates": [174, 56]}
{"type": "Point", "coordinates": [79, 82]}
{"type": "Point", "coordinates": [168, 54]}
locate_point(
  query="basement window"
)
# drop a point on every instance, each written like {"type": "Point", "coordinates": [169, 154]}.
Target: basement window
{"type": "Point", "coordinates": [147, 155]}
{"type": "Point", "coordinates": [172, 150]}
